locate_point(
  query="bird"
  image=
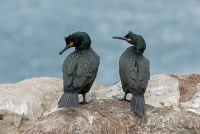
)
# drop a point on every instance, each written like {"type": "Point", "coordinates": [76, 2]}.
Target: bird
{"type": "Point", "coordinates": [134, 71]}
{"type": "Point", "coordinates": [79, 69]}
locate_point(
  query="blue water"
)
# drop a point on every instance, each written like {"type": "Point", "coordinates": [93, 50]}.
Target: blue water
{"type": "Point", "coordinates": [32, 34]}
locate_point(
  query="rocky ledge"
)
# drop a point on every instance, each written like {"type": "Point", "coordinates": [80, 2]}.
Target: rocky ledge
{"type": "Point", "coordinates": [172, 104]}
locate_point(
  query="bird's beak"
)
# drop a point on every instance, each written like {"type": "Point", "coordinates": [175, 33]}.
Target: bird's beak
{"type": "Point", "coordinates": [66, 47]}
{"type": "Point", "coordinates": [122, 38]}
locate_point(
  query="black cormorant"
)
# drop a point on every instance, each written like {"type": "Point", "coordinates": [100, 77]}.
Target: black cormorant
{"type": "Point", "coordinates": [134, 71]}
{"type": "Point", "coordinates": [79, 69]}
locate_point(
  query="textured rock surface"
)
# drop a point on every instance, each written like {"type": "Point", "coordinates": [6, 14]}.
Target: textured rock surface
{"type": "Point", "coordinates": [96, 86]}
{"type": "Point", "coordinates": [187, 85]}
{"type": "Point", "coordinates": [23, 103]}
{"type": "Point", "coordinates": [105, 115]}
{"type": "Point", "coordinates": [172, 104]}
{"type": "Point", "coordinates": [162, 91]}
{"type": "Point", "coordinates": [107, 93]}
{"type": "Point", "coordinates": [92, 94]}
{"type": "Point", "coordinates": [113, 116]}
{"type": "Point", "coordinates": [193, 105]}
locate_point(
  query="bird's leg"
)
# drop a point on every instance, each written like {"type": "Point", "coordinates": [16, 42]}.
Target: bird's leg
{"type": "Point", "coordinates": [85, 101]}
{"type": "Point", "coordinates": [122, 99]}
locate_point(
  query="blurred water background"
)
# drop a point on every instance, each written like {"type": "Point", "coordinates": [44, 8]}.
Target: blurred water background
{"type": "Point", "coordinates": [32, 34]}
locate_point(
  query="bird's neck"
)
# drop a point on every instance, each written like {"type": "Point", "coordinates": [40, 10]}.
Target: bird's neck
{"type": "Point", "coordinates": [79, 49]}
{"type": "Point", "coordinates": [133, 48]}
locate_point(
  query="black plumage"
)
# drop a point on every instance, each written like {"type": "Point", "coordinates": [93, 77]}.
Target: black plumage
{"type": "Point", "coordinates": [79, 69]}
{"type": "Point", "coordinates": [134, 71]}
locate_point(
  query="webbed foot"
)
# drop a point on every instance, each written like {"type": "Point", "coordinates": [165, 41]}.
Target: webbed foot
{"type": "Point", "coordinates": [121, 99]}
{"type": "Point", "coordinates": [86, 101]}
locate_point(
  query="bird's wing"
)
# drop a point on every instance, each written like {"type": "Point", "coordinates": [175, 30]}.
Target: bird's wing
{"type": "Point", "coordinates": [69, 67]}
{"type": "Point", "coordinates": [134, 69]}
{"type": "Point", "coordinates": [128, 69]}
{"type": "Point", "coordinates": [79, 69]}
{"type": "Point", "coordinates": [87, 68]}
{"type": "Point", "coordinates": [144, 73]}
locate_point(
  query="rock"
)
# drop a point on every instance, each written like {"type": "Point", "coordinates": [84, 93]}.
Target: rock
{"type": "Point", "coordinates": [113, 116]}
{"type": "Point", "coordinates": [92, 94]}
{"type": "Point", "coordinates": [162, 91]}
{"type": "Point", "coordinates": [107, 93]}
{"type": "Point", "coordinates": [187, 84]}
{"type": "Point", "coordinates": [23, 103]}
{"type": "Point", "coordinates": [105, 115]}
{"type": "Point", "coordinates": [172, 104]}
{"type": "Point", "coordinates": [96, 86]}
{"type": "Point", "coordinates": [193, 105]}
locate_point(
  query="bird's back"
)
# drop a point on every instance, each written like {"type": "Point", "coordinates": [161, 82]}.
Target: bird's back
{"type": "Point", "coordinates": [80, 69]}
{"type": "Point", "coordinates": [134, 71]}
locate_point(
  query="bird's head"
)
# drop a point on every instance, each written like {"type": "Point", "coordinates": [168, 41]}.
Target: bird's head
{"type": "Point", "coordinates": [131, 38]}
{"type": "Point", "coordinates": [134, 39]}
{"type": "Point", "coordinates": [79, 40]}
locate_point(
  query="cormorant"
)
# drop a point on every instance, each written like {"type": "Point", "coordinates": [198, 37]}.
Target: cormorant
{"type": "Point", "coordinates": [79, 69]}
{"type": "Point", "coordinates": [134, 71]}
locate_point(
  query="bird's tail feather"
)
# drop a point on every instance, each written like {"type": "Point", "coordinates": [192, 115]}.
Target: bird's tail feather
{"type": "Point", "coordinates": [138, 104]}
{"type": "Point", "coordinates": [68, 100]}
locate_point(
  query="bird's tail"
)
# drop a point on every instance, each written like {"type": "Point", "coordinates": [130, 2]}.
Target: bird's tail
{"type": "Point", "coordinates": [138, 104]}
{"type": "Point", "coordinates": [68, 100]}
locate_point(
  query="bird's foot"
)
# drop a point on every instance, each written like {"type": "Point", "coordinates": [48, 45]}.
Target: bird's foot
{"type": "Point", "coordinates": [121, 99]}
{"type": "Point", "coordinates": [86, 101]}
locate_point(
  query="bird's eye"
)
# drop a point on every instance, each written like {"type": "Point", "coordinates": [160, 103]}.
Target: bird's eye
{"type": "Point", "coordinates": [128, 40]}
{"type": "Point", "coordinates": [71, 43]}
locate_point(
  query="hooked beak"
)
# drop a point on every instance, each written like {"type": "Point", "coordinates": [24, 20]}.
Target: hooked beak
{"type": "Point", "coordinates": [121, 38]}
{"type": "Point", "coordinates": [66, 47]}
